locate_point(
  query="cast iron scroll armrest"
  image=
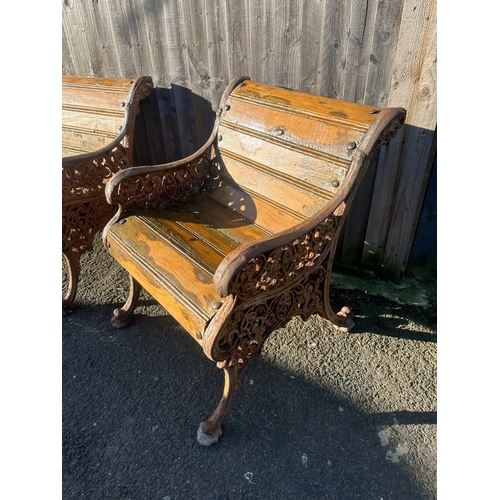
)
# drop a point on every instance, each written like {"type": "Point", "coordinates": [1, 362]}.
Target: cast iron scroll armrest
{"type": "Point", "coordinates": [86, 174]}
{"type": "Point", "coordinates": [150, 186]}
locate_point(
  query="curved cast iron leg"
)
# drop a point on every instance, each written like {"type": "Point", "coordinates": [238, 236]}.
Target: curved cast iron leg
{"type": "Point", "coordinates": [343, 320]}
{"type": "Point", "coordinates": [73, 263]}
{"type": "Point", "coordinates": [210, 430]}
{"type": "Point", "coordinates": [124, 316]}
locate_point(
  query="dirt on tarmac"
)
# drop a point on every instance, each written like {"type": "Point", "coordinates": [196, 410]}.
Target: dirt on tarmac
{"type": "Point", "coordinates": [321, 415]}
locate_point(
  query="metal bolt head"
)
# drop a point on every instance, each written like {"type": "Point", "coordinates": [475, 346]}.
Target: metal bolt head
{"type": "Point", "coordinates": [227, 107]}
{"type": "Point", "coordinates": [216, 304]}
{"type": "Point", "coordinates": [219, 138]}
{"type": "Point", "coordinates": [351, 145]}
{"type": "Point", "coordinates": [335, 183]}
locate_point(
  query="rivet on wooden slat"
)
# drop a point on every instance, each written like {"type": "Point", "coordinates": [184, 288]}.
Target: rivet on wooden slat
{"type": "Point", "coordinates": [122, 104]}
{"type": "Point", "coordinates": [335, 183]}
{"type": "Point", "coordinates": [199, 335]}
{"type": "Point", "coordinates": [219, 138]}
{"type": "Point", "coordinates": [351, 145]}
{"type": "Point", "coordinates": [216, 304]}
{"type": "Point", "coordinates": [227, 107]}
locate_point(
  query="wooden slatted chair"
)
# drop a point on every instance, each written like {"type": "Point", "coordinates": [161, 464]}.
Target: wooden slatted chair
{"type": "Point", "coordinates": [239, 237]}
{"type": "Point", "coordinates": [98, 117]}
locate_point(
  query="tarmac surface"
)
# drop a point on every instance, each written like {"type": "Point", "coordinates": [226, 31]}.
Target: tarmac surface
{"type": "Point", "coordinates": [321, 415]}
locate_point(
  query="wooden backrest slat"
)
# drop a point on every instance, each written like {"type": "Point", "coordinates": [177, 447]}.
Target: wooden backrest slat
{"type": "Point", "coordinates": [262, 212]}
{"type": "Point", "coordinates": [284, 190]}
{"type": "Point", "coordinates": [293, 127]}
{"type": "Point", "coordinates": [288, 150]}
{"type": "Point", "coordinates": [323, 108]}
{"type": "Point", "coordinates": [93, 112]}
{"type": "Point", "coordinates": [316, 169]}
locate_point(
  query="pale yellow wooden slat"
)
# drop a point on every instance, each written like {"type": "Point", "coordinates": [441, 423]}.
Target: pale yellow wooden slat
{"type": "Point", "coordinates": [281, 190]}
{"type": "Point", "coordinates": [85, 141]}
{"type": "Point", "coordinates": [262, 212]}
{"type": "Point", "coordinates": [93, 122]}
{"type": "Point", "coordinates": [315, 168]}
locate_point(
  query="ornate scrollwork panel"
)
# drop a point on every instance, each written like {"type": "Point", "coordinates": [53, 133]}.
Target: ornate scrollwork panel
{"type": "Point", "coordinates": [242, 334]}
{"type": "Point", "coordinates": [163, 188]}
{"type": "Point", "coordinates": [279, 268]}
{"type": "Point", "coordinates": [81, 220]}
{"type": "Point", "coordinates": [87, 176]}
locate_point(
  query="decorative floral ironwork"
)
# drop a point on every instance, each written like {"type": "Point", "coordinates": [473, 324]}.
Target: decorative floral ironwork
{"type": "Point", "coordinates": [163, 187]}
{"type": "Point", "coordinates": [87, 176]}
{"type": "Point", "coordinates": [80, 222]}
{"type": "Point", "coordinates": [280, 267]}
{"type": "Point", "coordinates": [248, 325]}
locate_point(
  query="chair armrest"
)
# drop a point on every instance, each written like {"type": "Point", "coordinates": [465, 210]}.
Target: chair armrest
{"type": "Point", "coordinates": [143, 187]}
{"type": "Point", "coordinates": [152, 185]}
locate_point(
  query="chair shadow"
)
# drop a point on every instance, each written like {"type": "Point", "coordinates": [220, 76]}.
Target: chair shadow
{"type": "Point", "coordinates": [384, 317]}
{"type": "Point", "coordinates": [133, 398]}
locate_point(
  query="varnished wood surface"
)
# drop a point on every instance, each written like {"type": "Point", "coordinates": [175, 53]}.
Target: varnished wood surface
{"type": "Point", "coordinates": [93, 112]}
{"type": "Point", "coordinates": [174, 254]}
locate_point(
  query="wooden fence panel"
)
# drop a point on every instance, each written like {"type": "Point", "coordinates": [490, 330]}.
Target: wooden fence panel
{"type": "Point", "coordinates": [378, 52]}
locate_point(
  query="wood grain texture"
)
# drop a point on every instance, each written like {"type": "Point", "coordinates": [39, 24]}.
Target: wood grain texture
{"type": "Point", "coordinates": [377, 52]}
{"type": "Point", "coordinates": [399, 192]}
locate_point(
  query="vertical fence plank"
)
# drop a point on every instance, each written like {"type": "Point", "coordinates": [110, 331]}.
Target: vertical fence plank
{"type": "Point", "coordinates": [399, 194]}
{"type": "Point", "coordinates": [380, 52]}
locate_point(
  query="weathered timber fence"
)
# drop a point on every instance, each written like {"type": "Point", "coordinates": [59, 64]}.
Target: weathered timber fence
{"type": "Point", "coordinates": [377, 52]}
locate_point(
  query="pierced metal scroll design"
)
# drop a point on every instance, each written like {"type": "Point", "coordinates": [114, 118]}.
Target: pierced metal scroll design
{"type": "Point", "coordinates": [280, 267]}
{"type": "Point", "coordinates": [247, 327]}
{"type": "Point", "coordinates": [88, 176]}
{"type": "Point", "coordinates": [163, 188]}
{"type": "Point", "coordinates": [81, 220]}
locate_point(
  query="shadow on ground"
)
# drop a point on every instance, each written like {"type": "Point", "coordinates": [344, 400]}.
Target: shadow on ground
{"type": "Point", "coordinates": [321, 415]}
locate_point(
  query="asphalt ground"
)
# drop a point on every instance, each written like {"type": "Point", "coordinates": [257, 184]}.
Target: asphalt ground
{"type": "Point", "coordinates": [321, 415]}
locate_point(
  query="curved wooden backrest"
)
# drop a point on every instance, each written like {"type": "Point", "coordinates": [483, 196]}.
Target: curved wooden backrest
{"type": "Point", "coordinates": [95, 111]}
{"type": "Point", "coordinates": [284, 154]}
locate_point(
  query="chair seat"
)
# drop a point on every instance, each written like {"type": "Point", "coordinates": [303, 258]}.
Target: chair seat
{"type": "Point", "coordinates": [173, 253]}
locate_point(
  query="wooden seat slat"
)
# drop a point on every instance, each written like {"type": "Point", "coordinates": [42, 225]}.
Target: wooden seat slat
{"type": "Point", "coordinates": [175, 276]}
